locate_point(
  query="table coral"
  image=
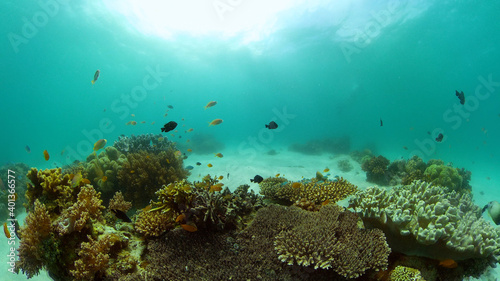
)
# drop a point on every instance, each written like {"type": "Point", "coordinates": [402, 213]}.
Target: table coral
{"type": "Point", "coordinates": [313, 190]}
{"type": "Point", "coordinates": [430, 221]}
{"type": "Point", "coordinates": [330, 238]}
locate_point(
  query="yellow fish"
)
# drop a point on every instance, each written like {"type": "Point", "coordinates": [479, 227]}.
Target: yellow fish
{"type": "Point", "coordinates": [210, 165]}
{"type": "Point", "coordinates": [189, 150]}
{"type": "Point", "coordinates": [85, 181]}
{"type": "Point", "coordinates": [215, 122]}
{"type": "Point", "coordinates": [221, 177]}
{"type": "Point", "coordinates": [190, 130]}
{"type": "Point", "coordinates": [46, 155]}
{"type": "Point", "coordinates": [210, 104]}
{"type": "Point", "coordinates": [277, 175]}
{"type": "Point", "coordinates": [326, 170]}
{"type": "Point", "coordinates": [133, 115]}
{"type": "Point", "coordinates": [219, 155]}
{"type": "Point", "coordinates": [296, 184]}
{"type": "Point", "coordinates": [99, 144]}
{"type": "Point", "coordinates": [6, 230]}
{"type": "Point", "coordinates": [132, 171]}
{"type": "Point", "coordinates": [216, 187]}
{"type": "Point", "coordinates": [133, 123]}
{"type": "Point", "coordinates": [104, 179]}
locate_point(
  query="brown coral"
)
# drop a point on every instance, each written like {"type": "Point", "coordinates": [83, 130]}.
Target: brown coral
{"type": "Point", "coordinates": [314, 190]}
{"type": "Point", "coordinates": [330, 238]}
{"type": "Point", "coordinates": [118, 203]}
{"type": "Point", "coordinates": [75, 218]}
{"type": "Point", "coordinates": [145, 172]}
{"type": "Point", "coordinates": [94, 257]}
{"type": "Point", "coordinates": [36, 228]}
{"type": "Point", "coordinates": [153, 223]}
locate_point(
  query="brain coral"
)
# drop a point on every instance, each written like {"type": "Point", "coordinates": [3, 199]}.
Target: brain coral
{"type": "Point", "coordinates": [430, 221]}
{"type": "Point", "coordinates": [331, 238]}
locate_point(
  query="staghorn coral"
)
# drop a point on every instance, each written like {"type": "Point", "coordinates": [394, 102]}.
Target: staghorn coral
{"type": "Point", "coordinates": [145, 172]}
{"type": "Point", "coordinates": [36, 228]}
{"type": "Point", "coordinates": [376, 169]}
{"type": "Point", "coordinates": [430, 221]}
{"type": "Point", "coordinates": [314, 190]}
{"type": "Point", "coordinates": [118, 203]}
{"type": "Point", "coordinates": [330, 238]}
{"type": "Point", "coordinates": [52, 188]}
{"type": "Point", "coordinates": [88, 207]}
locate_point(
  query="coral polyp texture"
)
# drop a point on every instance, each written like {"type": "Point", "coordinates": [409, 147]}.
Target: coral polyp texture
{"type": "Point", "coordinates": [331, 238]}
{"type": "Point", "coordinates": [429, 221]}
{"type": "Point", "coordinates": [313, 190]}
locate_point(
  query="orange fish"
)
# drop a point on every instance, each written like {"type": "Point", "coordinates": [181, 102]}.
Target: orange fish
{"type": "Point", "coordinates": [219, 155]}
{"type": "Point", "coordinates": [132, 171]}
{"type": "Point", "coordinates": [448, 263]}
{"type": "Point", "coordinates": [296, 184]}
{"type": "Point", "coordinates": [104, 179]}
{"type": "Point", "coordinates": [133, 123]}
{"type": "Point", "coordinates": [143, 122]}
{"type": "Point", "coordinates": [46, 155]}
{"type": "Point", "coordinates": [188, 227]}
{"type": "Point", "coordinates": [147, 208]}
{"type": "Point", "coordinates": [133, 115]}
{"type": "Point", "coordinates": [325, 202]}
{"type": "Point", "coordinates": [180, 217]}
{"type": "Point", "coordinates": [99, 144]}
{"type": "Point", "coordinates": [85, 181]}
{"type": "Point", "coordinates": [326, 170]}
{"type": "Point", "coordinates": [128, 123]}
{"type": "Point", "coordinates": [216, 187]}
{"type": "Point", "coordinates": [221, 177]}
{"type": "Point", "coordinates": [210, 165]}
{"type": "Point", "coordinates": [189, 150]}
{"type": "Point", "coordinates": [210, 104]}
{"type": "Point", "coordinates": [152, 123]}
{"type": "Point", "coordinates": [215, 122]}
{"type": "Point", "coordinates": [6, 230]}
{"type": "Point", "coordinates": [190, 130]}
{"type": "Point", "coordinates": [277, 175]}
{"type": "Point", "coordinates": [187, 140]}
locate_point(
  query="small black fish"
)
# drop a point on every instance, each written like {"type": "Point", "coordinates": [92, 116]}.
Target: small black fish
{"type": "Point", "coordinates": [429, 133]}
{"type": "Point", "coordinates": [169, 106]}
{"type": "Point", "coordinates": [272, 125]}
{"type": "Point", "coordinates": [381, 123]}
{"type": "Point", "coordinates": [198, 163]}
{"type": "Point", "coordinates": [96, 76]}
{"type": "Point", "coordinates": [439, 137]}
{"type": "Point", "coordinates": [460, 96]}
{"type": "Point", "coordinates": [227, 176]}
{"type": "Point", "coordinates": [169, 126]}
{"type": "Point", "coordinates": [257, 179]}
{"type": "Point", "coordinates": [121, 215]}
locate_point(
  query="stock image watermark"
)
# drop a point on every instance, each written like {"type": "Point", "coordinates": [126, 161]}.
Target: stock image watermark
{"type": "Point", "coordinates": [373, 28]}
{"type": "Point", "coordinates": [32, 25]}
{"type": "Point", "coordinates": [121, 106]}
{"type": "Point", "coordinates": [223, 7]}
{"type": "Point", "coordinates": [9, 227]}
{"type": "Point", "coordinates": [457, 114]}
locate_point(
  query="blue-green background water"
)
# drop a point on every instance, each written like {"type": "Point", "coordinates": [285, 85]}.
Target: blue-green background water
{"type": "Point", "coordinates": [336, 67]}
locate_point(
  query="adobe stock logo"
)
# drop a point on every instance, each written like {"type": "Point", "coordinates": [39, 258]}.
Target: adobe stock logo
{"type": "Point", "coordinates": [31, 26]}
{"type": "Point", "coordinates": [457, 114]}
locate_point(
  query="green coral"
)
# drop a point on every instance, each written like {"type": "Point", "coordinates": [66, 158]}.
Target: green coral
{"type": "Point", "coordinates": [376, 169]}
{"type": "Point", "coordinates": [403, 273]}
{"type": "Point", "coordinates": [442, 175]}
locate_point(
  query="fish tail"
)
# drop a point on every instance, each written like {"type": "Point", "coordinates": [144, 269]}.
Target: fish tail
{"type": "Point", "coordinates": [93, 82]}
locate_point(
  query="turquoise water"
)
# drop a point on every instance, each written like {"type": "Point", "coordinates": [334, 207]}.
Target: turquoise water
{"type": "Point", "coordinates": [319, 69]}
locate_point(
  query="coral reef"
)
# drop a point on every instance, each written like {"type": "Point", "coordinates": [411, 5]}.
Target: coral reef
{"type": "Point", "coordinates": [361, 156]}
{"type": "Point", "coordinates": [442, 175]}
{"type": "Point", "coordinates": [143, 173]}
{"type": "Point", "coordinates": [153, 223]}
{"type": "Point", "coordinates": [93, 257]}
{"type": "Point", "coordinates": [376, 168]}
{"type": "Point", "coordinates": [344, 165]}
{"type": "Point", "coordinates": [430, 221]}
{"type": "Point", "coordinates": [330, 238]}
{"type": "Point", "coordinates": [313, 190]}
{"type": "Point", "coordinates": [332, 145]}
{"type": "Point", "coordinates": [403, 273]}
{"type": "Point", "coordinates": [52, 188]}
{"type": "Point", "coordinates": [148, 142]}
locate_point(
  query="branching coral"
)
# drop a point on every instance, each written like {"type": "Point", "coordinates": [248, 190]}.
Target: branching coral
{"type": "Point", "coordinates": [145, 172]}
{"type": "Point", "coordinates": [35, 229]}
{"type": "Point", "coordinates": [314, 190]}
{"type": "Point", "coordinates": [88, 207]}
{"type": "Point", "coordinates": [426, 220]}
{"type": "Point", "coordinates": [52, 188]}
{"type": "Point", "coordinates": [330, 238]}
{"type": "Point", "coordinates": [153, 223]}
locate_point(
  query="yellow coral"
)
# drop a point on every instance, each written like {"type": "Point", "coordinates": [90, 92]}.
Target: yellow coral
{"type": "Point", "coordinates": [153, 223]}
{"type": "Point", "coordinates": [94, 256]}
{"type": "Point", "coordinates": [403, 273]}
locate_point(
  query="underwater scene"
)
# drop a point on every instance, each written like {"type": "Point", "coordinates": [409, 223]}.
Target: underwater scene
{"type": "Point", "coordinates": [250, 140]}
